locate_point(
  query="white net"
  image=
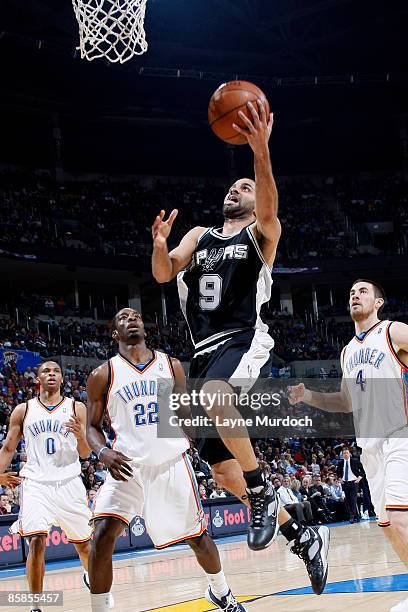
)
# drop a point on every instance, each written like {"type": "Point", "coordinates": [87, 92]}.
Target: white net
{"type": "Point", "coordinates": [113, 29]}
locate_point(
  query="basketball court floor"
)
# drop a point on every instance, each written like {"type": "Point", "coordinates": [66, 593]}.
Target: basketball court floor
{"type": "Point", "coordinates": [364, 575]}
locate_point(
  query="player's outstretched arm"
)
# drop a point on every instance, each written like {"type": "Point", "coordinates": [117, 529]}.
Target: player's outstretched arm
{"type": "Point", "coordinates": [328, 402]}
{"type": "Point", "coordinates": [165, 265]}
{"type": "Point", "coordinates": [97, 388]}
{"type": "Point", "coordinates": [8, 449]}
{"type": "Point", "coordinates": [257, 133]}
{"type": "Point", "coordinates": [77, 425]}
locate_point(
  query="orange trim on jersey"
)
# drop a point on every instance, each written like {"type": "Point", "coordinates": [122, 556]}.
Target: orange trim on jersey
{"type": "Point", "coordinates": [171, 367]}
{"type": "Point", "coordinates": [25, 414]}
{"type": "Point", "coordinates": [393, 352]}
{"type": "Point", "coordinates": [47, 409]}
{"type": "Point", "coordinates": [196, 535]}
{"type": "Point", "coordinates": [404, 394]}
{"type": "Point", "coordinates": [368, 332]}
{"type": "Point", "coordinates": [199, 506]}
{"type": "Point", "coordinates": [107, 515]}
{"type": "Point", "coordinates": [26, 534]}
{"type": "Point", "coordinates": [112, 378]}
{"type": "Point", "coordinates": [396, 506]}
{"type": "Point", "coordinates": [146, 367]}
{"type": "Point", "coordinates": [403, 367]}
{"type": "Point", "coordinates": [80, 541]}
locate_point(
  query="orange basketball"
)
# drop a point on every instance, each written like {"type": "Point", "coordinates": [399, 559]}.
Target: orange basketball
{"type": "Point", "coordinates": [224, 105]}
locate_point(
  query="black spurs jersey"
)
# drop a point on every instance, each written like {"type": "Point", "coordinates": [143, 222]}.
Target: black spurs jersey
{"type": "Point", "coordinates": [224, 287]}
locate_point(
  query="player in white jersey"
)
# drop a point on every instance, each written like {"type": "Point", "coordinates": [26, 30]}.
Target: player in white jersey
{"type": "Point", "coordinates": [148, 476]}
{"type": "Point", "coordinates": [374, 388]}
{"type": "Point", "coordinates": [51, 490]}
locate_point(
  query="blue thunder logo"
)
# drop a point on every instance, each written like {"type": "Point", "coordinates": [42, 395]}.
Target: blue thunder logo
{"type": "Point", "coordinates": [137, 389]}
{"type": "Point", "coordinates": [48, 426]}
{"type": "Point", "coordinates": [364, 356]}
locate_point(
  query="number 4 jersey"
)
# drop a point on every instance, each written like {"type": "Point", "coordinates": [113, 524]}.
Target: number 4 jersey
{"type": "Point", "coordinates": [377, 382]}
{"type": "Point", "coordinates": [137, 399]}
{"type": "Point", "coordinates": [224, 287]}
{"type": "Point", "coordinates": [51, 449]}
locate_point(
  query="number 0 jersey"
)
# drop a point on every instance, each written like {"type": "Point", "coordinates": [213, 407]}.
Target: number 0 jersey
{"type": "Point", "coordinates": [52, 453]}
{"type": "Point", "coordinates": [224, 287]}
{"type": "Point", "coordinates": [377, 382]}
{"type": "Point", "coordinates": [133, 406]}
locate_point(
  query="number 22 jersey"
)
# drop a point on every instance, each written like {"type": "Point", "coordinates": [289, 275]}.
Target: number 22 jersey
{"type": "Point", "coordinates": [136, 400]}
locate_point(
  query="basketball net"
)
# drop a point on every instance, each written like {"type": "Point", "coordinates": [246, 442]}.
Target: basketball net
{"type": "Point", "coordinates": [113, 29]}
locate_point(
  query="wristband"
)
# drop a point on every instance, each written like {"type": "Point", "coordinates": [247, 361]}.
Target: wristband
{"type": "Point", "coordinates": [99, 453]}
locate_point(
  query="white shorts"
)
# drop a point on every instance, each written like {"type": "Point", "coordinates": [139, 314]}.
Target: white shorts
{"type": "Point", "coordinates": [386, 467]}
{"type": "Point", "coordinates": [61, 504]}
{"type": "Point", "coordinates": [165, 495]}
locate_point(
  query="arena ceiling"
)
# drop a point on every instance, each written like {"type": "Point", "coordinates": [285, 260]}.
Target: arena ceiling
{"type": "Point", "coordinates": [270, 37]}
{"type": "Point", "coordinates": [336, 63]}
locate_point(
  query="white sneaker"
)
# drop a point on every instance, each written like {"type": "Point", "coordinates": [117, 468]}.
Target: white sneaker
{"type": "Point", "coordinates": [402, 606]}
{"type": "Point", "coordinates": [365, 516]}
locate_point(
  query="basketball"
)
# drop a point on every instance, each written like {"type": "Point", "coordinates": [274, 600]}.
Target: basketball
{"type": "Point", "coordinates": [225, 104]}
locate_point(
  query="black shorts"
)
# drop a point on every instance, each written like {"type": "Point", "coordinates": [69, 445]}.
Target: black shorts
{"type": "Point", "coordinates": [241, 360]}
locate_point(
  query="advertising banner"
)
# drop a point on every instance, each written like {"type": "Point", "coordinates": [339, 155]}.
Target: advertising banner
{"type": "Point", "coordinates": [21, 359]}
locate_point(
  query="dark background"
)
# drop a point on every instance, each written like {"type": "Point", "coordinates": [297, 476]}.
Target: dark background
{"type": "Point", "coordinates": [139, 118]}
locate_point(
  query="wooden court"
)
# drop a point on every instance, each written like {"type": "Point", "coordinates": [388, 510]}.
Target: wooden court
{"type": "Point", "coordinates": [364, 575]}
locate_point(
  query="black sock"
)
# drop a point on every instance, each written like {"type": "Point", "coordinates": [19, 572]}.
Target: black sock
{"type": "Point", "coordinates": [292, 530]}
{"type": "Point", "coordinates": [254, 478]}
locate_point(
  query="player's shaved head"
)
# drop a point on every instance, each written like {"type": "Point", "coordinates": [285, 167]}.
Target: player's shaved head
{"type": "Point", "coordinates": [123, 311]}
{"type": "Point", "coordinates": [47, 364]}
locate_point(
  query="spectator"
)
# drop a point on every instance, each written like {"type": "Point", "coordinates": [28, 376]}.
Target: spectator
{"type": "Point", "coordinates": [350, 472]}
{"type": "Point", "coordinates": [217, 493]}
{"type": "Point", "coordinates": [100, 472]}
{"type": "Point", "coordinates": [91, 494]}
{"type": "Point", "coordinates": [336, 498]}
{"type": "Point", "coordinates": [5, 506]}
{"type": "Point", "coordinates": [301, 511]}
{"type": "Point", "coordinates": [202, 492]}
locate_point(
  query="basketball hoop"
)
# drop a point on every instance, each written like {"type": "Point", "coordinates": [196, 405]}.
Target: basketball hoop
{"type": "Point", "coordinates": [113, 29]}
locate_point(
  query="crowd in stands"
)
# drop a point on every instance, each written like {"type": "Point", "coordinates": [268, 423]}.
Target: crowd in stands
{"type": "Point", "coordinates": [108, 218]}
{"type": "Point", "coordinates": [375, 201]}
{"type": "Point", "coordinates": [303, 471]}
{"type": "Point", "coordinates": [85, 338]}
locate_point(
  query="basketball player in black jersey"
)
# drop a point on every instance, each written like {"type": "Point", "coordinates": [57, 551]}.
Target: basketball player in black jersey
{"type": "Point", "coordinates": [224, 277]}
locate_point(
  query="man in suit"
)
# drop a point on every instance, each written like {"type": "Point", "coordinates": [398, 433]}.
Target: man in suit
{"type": "Point", "coordinates": [350, 471]}
{"type": "Point", "coordinates": [302, 511]}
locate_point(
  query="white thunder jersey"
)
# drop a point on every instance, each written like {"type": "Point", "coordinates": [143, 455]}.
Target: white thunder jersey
{"type": "Point", "coordinates": [378, 385]}
{"type": "Point", "coordinates": [133, 405]}
{"type": "Point", "coordinates": [52, 453]}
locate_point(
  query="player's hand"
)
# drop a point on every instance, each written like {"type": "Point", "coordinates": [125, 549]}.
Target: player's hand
{"type": "Point", "coordinates": [258, 131]}
{"type": "Point", "coordinates": [9, 479]}
{"type": "Point", "coordinates": [75, 426]}
{"type": "Point", "coordinates": [117, 464]}
{"type": "Point", "coordinates": [161, 229]}
{"type": "Point", "coordinates": [296, 394]}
